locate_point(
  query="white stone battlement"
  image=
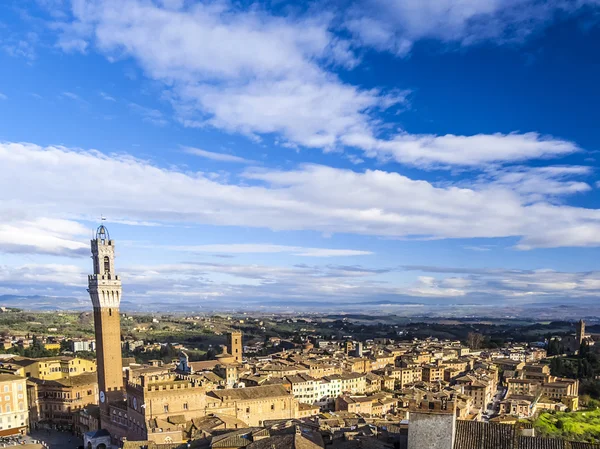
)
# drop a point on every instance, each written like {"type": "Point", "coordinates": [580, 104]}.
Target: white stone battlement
{"type": "Point", "coordinates": [110, 298]}
{"type": "Point", "coordinates": [104, 277]}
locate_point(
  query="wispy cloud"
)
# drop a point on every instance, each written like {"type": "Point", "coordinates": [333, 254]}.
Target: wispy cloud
{"type": "Point", "coordinates": [480, 248]}
{"type": "Point", "coordinates": [395, 25]}
{"type": "Point", "coordinates": [21, 46]}
{"type": "Point", "coordinates": [265, 248]}
{"type": "Point", "coordinates": [107, 97]}
{"type": "Point", "coordinates": [149, 115]}
{"type": "Point", "coordinates": [3, 96]}
{"type": "Point", "coordinates": [71, 95]}
{"type": "Point", "coordinates": [221, 157]}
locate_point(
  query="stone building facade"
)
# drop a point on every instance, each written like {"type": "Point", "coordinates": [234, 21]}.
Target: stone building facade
{"type": "Point", "coordinates": [13, 405]}
{"type": "Point", "coordinates": [58, 401]}
{"type": "Point", "coordinates": [432, 425]}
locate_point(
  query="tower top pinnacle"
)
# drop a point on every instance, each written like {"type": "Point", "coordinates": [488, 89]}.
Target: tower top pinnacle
{"type": "Point", "coordinates": [102, 233]}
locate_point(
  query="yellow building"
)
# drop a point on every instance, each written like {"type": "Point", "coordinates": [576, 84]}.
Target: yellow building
{"type": "Point", "coordinates": [48, 368]}
{"type": "Point", "coordinates": [59, 401]}
{"type": "Point", "coordinates": [13, 405]}
{"type": "Point", "coordinates": [432, 373]}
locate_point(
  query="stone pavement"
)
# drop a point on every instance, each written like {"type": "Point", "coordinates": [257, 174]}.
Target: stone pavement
{"type": "Point", "coordinates": [54, 439]}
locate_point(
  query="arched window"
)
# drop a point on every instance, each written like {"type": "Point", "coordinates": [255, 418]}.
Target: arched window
{"type": "Point", "coordinates": [106, 264]}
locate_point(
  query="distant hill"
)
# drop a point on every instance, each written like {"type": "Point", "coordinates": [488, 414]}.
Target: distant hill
{"type": "Point", "coordinates": [44, 303]}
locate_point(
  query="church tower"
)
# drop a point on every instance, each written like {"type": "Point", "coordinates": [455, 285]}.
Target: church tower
{"type": "Point", "coordinates": [234, 345]}
{"type": "Point", "coordinates": [104, 287]}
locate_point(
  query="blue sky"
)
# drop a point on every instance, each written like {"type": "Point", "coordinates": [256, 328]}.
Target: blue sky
{"type": "Point", "coordinates": [277, 154]}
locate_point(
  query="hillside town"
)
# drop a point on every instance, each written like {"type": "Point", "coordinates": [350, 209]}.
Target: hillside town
{"type": "Point", "coordinates": [378, 393]}
{"type": "Point", "coordinates": [323, 384]}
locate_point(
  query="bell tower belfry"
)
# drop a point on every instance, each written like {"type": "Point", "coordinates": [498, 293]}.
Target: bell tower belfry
{"type": "Point", "coordinates": [104, 287]}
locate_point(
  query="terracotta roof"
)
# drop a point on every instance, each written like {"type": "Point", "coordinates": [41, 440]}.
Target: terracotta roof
{"type": "Point", "coordinates": [576, 445]}
{"type": "Point", "coordinates": [249, 393]}
{"type": "Point", "coordinates": [238, 438]}
{"type": "Point", "coordinates": [73, 381]}
{"type": "Point", "coordinates": [203, 365]}
{"type": "Point", "coordinates": [481, 435]}
{"type": "Point", "coordinates": [540, 443]}
{"type": "Point", "coordinates": [9, 377]}
{"type": "Point", "coordinates": [303, 440]}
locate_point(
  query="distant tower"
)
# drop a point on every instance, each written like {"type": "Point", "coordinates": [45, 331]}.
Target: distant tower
{"type": "Point", "coordinates": [105, 291]}
{"type": "Point", "coordinates": [348, 347]}
{"type": "Point", "coordinates": [234, 345]}
{"type": "Point", "coordinates": [358, 349]}
{"type": "Point", "coordinates": [580, 331]}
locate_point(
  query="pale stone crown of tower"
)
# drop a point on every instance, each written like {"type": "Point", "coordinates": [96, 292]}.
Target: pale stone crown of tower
{"type": "Point", "coordinates": [104, 284]}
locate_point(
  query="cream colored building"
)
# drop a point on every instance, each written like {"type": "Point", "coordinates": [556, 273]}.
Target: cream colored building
{"type": "Point", "coordinates": [14, 416]}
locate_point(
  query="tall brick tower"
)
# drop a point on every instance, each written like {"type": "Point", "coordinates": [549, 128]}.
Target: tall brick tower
{"type": "Point", "coordinates": [104, 287]}
{"type": "Point", "coordinates": [234, 345]}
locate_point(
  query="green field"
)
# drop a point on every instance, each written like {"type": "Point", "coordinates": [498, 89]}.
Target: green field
{"type": "Point", "coordinates": [576, 426]}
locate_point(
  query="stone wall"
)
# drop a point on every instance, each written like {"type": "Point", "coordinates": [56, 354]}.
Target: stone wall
{"type": "Point", "coordinates": [431, 430]}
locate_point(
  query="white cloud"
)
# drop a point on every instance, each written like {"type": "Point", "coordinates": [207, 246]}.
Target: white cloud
{"type": "Point", "coordinates": [43, 274]}
{"type": "Point", "coordinates": [448, 150]}
{"type": "Point", "coordinates": [506, 284]}
{"type": "Point", "coordinates": [72, 45]}
{"type": "Point", "coordinates": [162, 285]}
{"type": "Point", "coordinates": [41, 235]}
{"type": "Point", "coordinates": [313, 197]}
{"type": "Point", "coordinates": [429, 286]}
{"type": "Point", "coordinates": [251, 72]}
{"type": "Point", "coordinates": [221, 157]}
{"type": "Point", "coordinates": [538, 183]}
{"type": "Point", "coordinates": [395, 25]}
{"type": "Point", "coordinates": [255, 248]}
{"type": "Point", "coordinates": [3, 96]}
